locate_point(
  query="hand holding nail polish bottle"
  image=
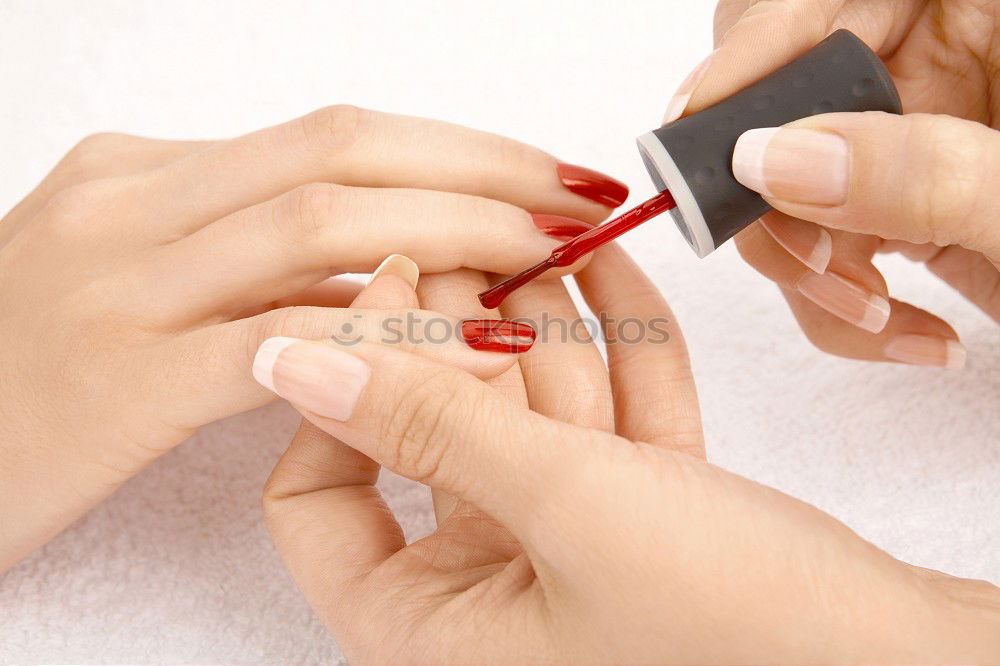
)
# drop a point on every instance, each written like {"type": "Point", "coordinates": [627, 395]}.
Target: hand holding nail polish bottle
{"type": "Point", "coordinates": [845, 186]}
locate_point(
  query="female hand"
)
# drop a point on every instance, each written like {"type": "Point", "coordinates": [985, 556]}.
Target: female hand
{"type": "Point", "coordinates": [138, 279]}
{"type": "Point", "coordinates": [571, 543]}
{"type": "Point", "coordinates": [845, 186]}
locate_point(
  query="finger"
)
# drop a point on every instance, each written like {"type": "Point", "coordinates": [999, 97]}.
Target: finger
{"type": "Point", "coordinates": [654, 393]}
{"type": "Point", "coordinates": [352, 146]}
{"type": "Point", "coordinates": [846, 310]}
{"type": "Point", "coordinates": [454, 293]}
{"type": "Point", "coordinates": [917, 178]}
{"type": "Point", "coordinates": [564, 374]}
{"type": "Point", "coordinates": [282, 246]}
{"type": "Point", "coordinates": [774, 33]}
{"type": "Point", "coordinates": [912, 251]}
{"type": "Point", "coordinates": [440, 426]}
{"type": "Point", "coordinates": [321, 502]}
{"type": "Point", "coordinates": [849, 287]}
{"type": "Point", "coordinates": [969, 273]}
{"type": "Point", "coordinates": [330, 293]}
{"type": "Point", "coordinates": [777, 32]}
{"type": "Point", "coordinates": [104, 155]}
{"type": "Point", "coordinates": [210, 378]}
{"type": "Point", "coordinates": [342, 293]}
{"type": "Point", "coordinates": [912, 336]}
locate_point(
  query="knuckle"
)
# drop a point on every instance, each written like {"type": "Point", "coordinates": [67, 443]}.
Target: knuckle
{"type": "Point", "coordinates": [92, 150]}
{"type": "Point", "coordinates": [335, 127]}
{"type": "Point", "coordinates": [951, 180]}
{"type": "Point", "coordinates": [416, 435]}
{"type": "Point", "coordinates": [293, 322]}
{"type": "Point", "coordinates": [295, 473]}
{"type": "Point", "coordinates": [514, 154]}
{"type": "Point", "coordinates": [496, 222]}
{"type": "Point", "coordinates": [490, 210]}
{"type": "Point", "coordinates": [312, 207]}
{"type": "Point", "coordinates": [73, 206]}
{"type": "Point", "coordinates": [688, 442]}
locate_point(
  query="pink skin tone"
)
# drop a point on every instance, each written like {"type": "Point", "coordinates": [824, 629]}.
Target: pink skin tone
{"type": "Point", "coordinates": [678, 103]}
{"type": "Point", "coordinates": [812, 168]}
{"type": "Point", "coordinates": [572, 528]}
{"type": "Point", "coordinates": [809, 243]}
{"type": "Point", "coordinates": [847, 299]}
{"type": "Point", "coordinates": [919, 180]}
{"type": "Point", "coordinates": [101, 328]}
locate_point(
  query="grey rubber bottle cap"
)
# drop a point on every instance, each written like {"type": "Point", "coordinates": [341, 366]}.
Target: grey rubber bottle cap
{"type": "Point", "coordinates": [692, 157]}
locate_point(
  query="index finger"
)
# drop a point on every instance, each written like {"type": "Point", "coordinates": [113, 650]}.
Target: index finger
{"type": "Point", "coordinates": [756, 38]}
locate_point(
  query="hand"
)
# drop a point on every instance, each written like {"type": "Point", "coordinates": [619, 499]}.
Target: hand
{"type": "Point", "coordinates": [845, 186]}
{"type": "Point", "coordinates": [139, 277]}
{"type": "Point", "coordinates": [569, 543]}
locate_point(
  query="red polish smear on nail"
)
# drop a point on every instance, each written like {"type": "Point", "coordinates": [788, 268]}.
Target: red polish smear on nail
{"type": "Point", "coordinates": [592, 185]}
{"type": "Point", "coordinates": [582, 245]}
{"type": "Point", "coordinates": [499, 335]}
{"type": "Point", "coordinates": [559, 226]}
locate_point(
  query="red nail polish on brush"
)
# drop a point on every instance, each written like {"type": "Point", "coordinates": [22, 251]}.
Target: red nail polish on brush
{"type": "Point", "coordinates": [499, 335]}
{"type": "Point", "coordinates": [592, 185]}
{"type": "Point", "coordinates": [559, 226]}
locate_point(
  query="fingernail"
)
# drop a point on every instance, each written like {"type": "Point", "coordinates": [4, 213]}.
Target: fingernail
{"type": "Point", "coordinates": [560, 227]}
{"type": "Point", "coordinates": [315, 376]}
{"type": "Point", "coordinates": [400, 266]}
{"type": "Point", "coordinates": [679, 102]}
{"type": "Point", "coordinates": [592, 185]}
{"type": "Point", "coordinates": [926, 350]}
{"type": "Point", "coordinates": [499, 335]}
{"type": "Point", "coordinates": [809, 243]}
{"type": "Point", "coordinates": [795, 165]}
{"type": "Point", "coordinates": [846, 299]}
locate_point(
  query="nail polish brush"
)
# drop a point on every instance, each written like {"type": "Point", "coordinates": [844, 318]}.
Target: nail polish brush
{"type": "Point", "coordinates": [689, 160]}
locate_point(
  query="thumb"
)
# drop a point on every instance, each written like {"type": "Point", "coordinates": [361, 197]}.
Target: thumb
{"type": "Point", "coordinates": [434, 424]}
{"type": "Point", "coordinates": [918, 178]}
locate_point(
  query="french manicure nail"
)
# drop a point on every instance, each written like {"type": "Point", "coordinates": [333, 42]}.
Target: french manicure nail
{"type": "Point", "coordinates": [926, 350]}
{"type": "Point", "coordinates": [592, 185]}
{"type": "Point", "coordinates": [499, 335]}
{"type": "Point", "coordinates": [809, 243]}
{"type": "Point", "coordinates": [679, 102]}
{"type": "Point", "coordinates": [313, 375]}
{"type": "Point", "coordinates": [796, 165]}
{"type": "Point", "coordinates": [400, 266]}
{"type": "Point", "coordinates": [846, 299]}
{"type": "Point", "coordinates": [560, 227]}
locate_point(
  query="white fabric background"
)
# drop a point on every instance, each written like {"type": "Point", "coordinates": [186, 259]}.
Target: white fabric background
{"type": "Point", "coordinates": [177, 567]}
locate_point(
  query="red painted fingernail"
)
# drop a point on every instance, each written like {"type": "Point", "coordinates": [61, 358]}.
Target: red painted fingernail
{"type": "Point", "coordinates": [592, 185]}
{"type": "Point", "coordinates": [499, 335]}
{"type": "Point", "coordinates": [559, 227]}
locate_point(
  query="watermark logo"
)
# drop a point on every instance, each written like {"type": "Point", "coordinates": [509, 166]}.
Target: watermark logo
{"type": "Point", "coordinates": [418, 328]}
